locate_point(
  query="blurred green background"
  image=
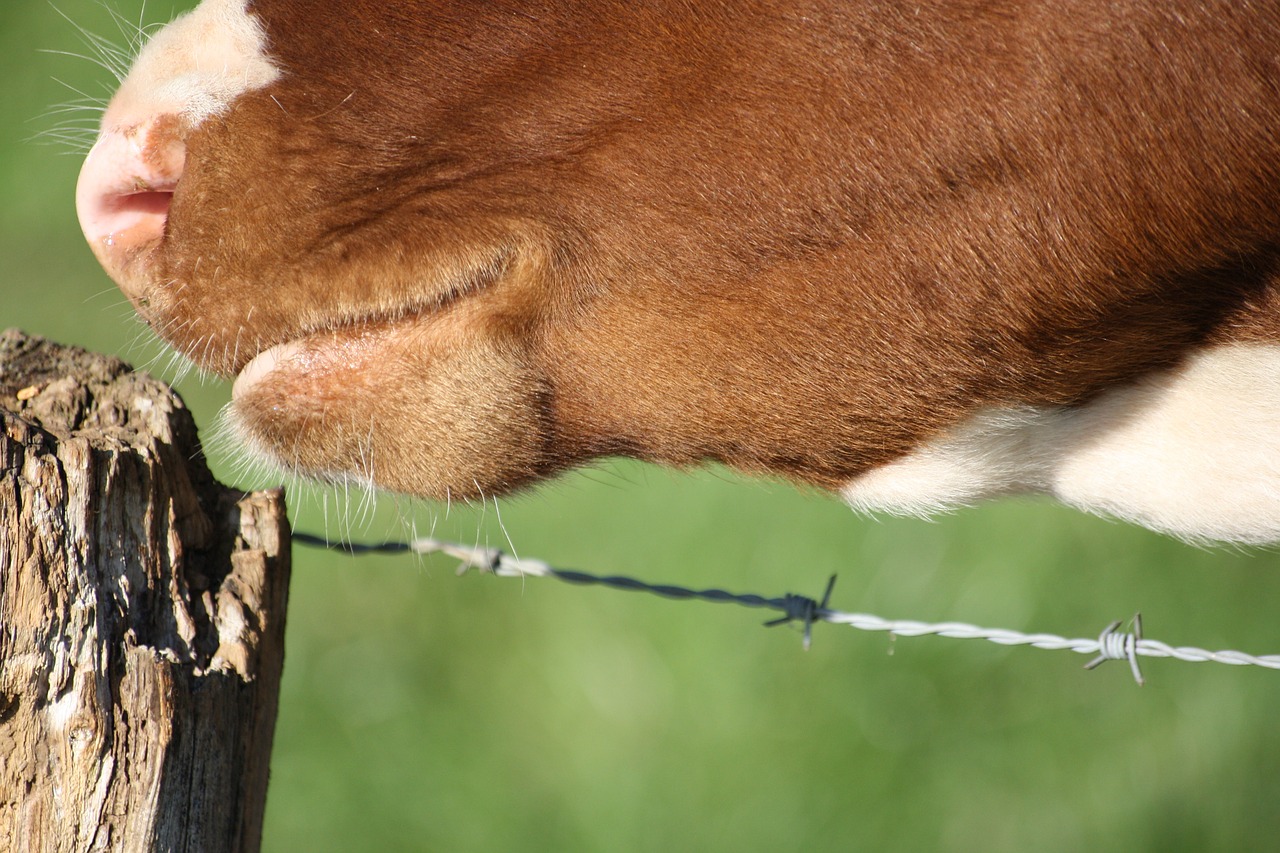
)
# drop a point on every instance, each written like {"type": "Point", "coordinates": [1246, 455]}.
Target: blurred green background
{"type": "Point", "coordinates": [426, 712]}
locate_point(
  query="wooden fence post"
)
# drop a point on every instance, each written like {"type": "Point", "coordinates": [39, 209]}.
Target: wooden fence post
{"type": "Point", "coordinates": [142, 612]}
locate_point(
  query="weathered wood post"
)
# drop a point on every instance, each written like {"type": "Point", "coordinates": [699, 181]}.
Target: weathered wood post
{"type": "Point", "coordinates": [142, 615]}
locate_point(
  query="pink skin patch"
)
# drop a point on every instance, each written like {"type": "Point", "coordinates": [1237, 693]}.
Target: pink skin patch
{"type": "Point", "coordinates": [124, 192]}
{"type": "Point", "coordinates": [261, 366]}
{"type": "Point", "coordinates": [323, 366]}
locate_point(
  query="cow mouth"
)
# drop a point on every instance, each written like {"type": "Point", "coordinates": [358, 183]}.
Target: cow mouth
{"type": "Point", "coordinates": [260, 366]}
{"type": "Point", "coordinates": [348, 348]}
{"type": "Point", "coordinates": [353, 347]}
{"type": "Point", "coordinates": [346, 339]}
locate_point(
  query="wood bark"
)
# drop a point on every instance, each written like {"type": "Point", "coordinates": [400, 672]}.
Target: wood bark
{"type": "Point", "coordinates": [141, 617]}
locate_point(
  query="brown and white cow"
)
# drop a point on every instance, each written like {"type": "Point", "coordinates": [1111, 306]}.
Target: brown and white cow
{"type": "Point", "coordinates": [917, 253]}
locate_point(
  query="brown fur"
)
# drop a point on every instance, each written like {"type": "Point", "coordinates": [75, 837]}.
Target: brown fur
{"type": "Point", "coordinates": [794, 237]}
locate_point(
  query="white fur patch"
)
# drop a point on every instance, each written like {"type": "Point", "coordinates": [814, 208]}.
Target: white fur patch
{"type": "Point", "coordinates": [194, 67]}
{"type": "Point", "coordinates": [1194, 452]}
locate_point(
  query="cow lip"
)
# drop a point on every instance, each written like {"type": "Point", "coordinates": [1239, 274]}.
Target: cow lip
{"type": "Point", "coordinates": [356, 332]}
{"type": "Point", "coordinates": [321, 343]}
{"type": "Point", "coordinates": [278, 349]}
{"type": "Point", "coordinates": [261, 365]}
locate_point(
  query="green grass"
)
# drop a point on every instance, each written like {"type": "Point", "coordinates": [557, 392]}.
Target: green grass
{"type": "Point", "coordinates": [426, 712]}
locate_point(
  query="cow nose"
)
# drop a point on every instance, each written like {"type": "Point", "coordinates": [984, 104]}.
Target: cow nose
{"type": "Point", "coordinates": [124, 192]}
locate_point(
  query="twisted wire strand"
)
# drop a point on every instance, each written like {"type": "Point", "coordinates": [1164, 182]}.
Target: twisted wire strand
{"type": "Point", "coordinates": [1111, 644]}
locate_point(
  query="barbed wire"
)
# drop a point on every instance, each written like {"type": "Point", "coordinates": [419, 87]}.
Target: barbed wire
{"type": "Point", "coordinates": [1111, 644]}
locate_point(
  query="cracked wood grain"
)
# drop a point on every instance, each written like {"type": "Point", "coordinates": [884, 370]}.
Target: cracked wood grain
{"type": "Point", "coordinates": [142, 612]}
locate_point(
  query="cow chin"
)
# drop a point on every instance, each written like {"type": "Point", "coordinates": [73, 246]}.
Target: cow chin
{"type": "Point", "coordinates": [402, 406]}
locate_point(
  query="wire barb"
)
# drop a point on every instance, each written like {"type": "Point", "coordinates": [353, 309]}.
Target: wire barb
{"type": "Point", "coordinates": [1119, 645]}
{"type": "Point", "coordinates": [1111, 644]}
{"type": "Point", "coordinates": [805, 609]}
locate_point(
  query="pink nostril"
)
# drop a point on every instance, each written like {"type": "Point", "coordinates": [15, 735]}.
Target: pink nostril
{"type": "Point", "coordinates": [125, 188]}
{"type": "Point", "coordinates": [146, 203]}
